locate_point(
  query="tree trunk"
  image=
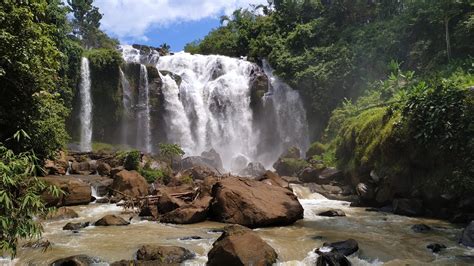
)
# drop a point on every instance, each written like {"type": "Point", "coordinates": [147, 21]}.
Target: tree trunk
{"type": "Point", "coordinates": [448, 42]}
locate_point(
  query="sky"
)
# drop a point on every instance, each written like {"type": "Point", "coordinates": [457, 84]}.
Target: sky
{"type": "Point", "coordinates": [175, 22]}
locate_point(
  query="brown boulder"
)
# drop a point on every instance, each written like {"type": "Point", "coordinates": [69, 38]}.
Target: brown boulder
{"type": "Point", "coordinates": [238, 245]}
{"type": "Point", "coordinates": [254, 204]}
{"type": "Point", "coordinates": [62, 213]}
{"type": "Point", "coordinates": [130, 183]}
{"type": "Point", "coordinates": [103, 169]}
{"type": "Point", "coordinates": [78, 260]}
{"type": "Point", "coordinates": [167, 203]}
{"type": "Point", "coordinates": [84, 168]}
{"type": "Point", "coordinates": [274, 179]}
{"type": "Point", "coordinates": [76, 191]}
{"type": "Point", "coordinates": [195, 212]}
{"type": "Point", "coordinates": [109, 220]}
{"type": "Point", "coordinates": [164, 254]}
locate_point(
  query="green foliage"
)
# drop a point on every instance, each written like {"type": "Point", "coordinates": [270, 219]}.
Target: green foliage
{"type": "Point", "coordinates": [35, 75]}
{"type": "Point", "coordinates": [316, 148]}
{"type": "Point", "coordinates": [102, 147]}
{"type": "Point", "coordinates": [132, 160]}
{"type": "Point", "coordinates": [152, 175]}
{"type": "Point", "coordinates": [170, 151]}
{"type": "Point", "coordinates": [20, 201]}
{"type": "Point", "coordinates": [291, 166]}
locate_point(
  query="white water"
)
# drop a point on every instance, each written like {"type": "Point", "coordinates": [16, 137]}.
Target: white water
{"type": "Point", "coordinates": [133, 55]}
{"type": "Point", "coordinates": [212, 108]}
{"type": "Point", "coordinates": [126, 105]}
{"type": "Point", "coordinates": [144, 131]}
{"type": "Point", "coordinates": [86, 107]}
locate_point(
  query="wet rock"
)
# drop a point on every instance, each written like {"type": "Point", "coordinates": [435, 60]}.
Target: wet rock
{"type": "Point", "coordinates": [195, 212]}
{"type": "Point", "coordinates": [253, 169]}
{"type": "Point", "coordinates": [167, 203]}
{"type": "Point", "coordinates": [467, 237]}
{"type": "Point", "coordinates": [292, 152]}
{"type": "Point", "coordinates": [366, 192]}
{"type": "Point", "coordinates": [383, 194]}
{"type": "Point", "coordinates": [332, 213]}
{"type": "Point", "coordinates": [111, 220]}
{"type": "Point", "coordinates": [332, 259]}
{"type": "Point", "coordinates": [254, 204]}
{"type": "Point", "coordinates": [130, 183]}
{"type": "Point", "coordinates": [408, 207]}
{"type": "Point", "coordinates": [420, 228]}
{"type": "Point", "coordinates": [345, 248]}
{"type": "Point", "coordinates": [75, 226]}
{"type": "Point", "coordinates": [435, 247]}
{"type": "Point", "coordinates": [137, 263]}
{"type": "Point", "coordinates": [40, 243]}
{"type": "Point", "coordinates": [76, 191]}
{"type": "Point", "coordinates": [84, 168]}
{"type": "Point", "coordinates": [199, 172]}
{"type": "Point", "coordinates": [102, 200]}
{"type": "Point", "coordinates": [213, 158]}
{"type": "Point", "coordinates": [193, 161]}
{"type": "Point", "coordinates": [330, 174]}
{"type": "Point", "coordinates": [77, 260]}
{"type": "Point", "coordinates": [103, 169]}
{"type": "Point", "coordinates": [238, 245]}
{"type": "Point", "coordinates": [62, 213]}
{"type": "Point", "coordinates": [238, 163]}
{"type": "Point", "coordinates": [164, 254]}
{"type": "Point", "coordinates": [116, 170]}
{"type": "Point", "coordinates": [309, 174]}
{"type": "Point", "coordinates": [274, 179]}
{"type": "Point", "coordinates": [289, 166]}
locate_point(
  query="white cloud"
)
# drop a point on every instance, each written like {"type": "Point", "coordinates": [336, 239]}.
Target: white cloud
{"type": "Point", "coordinates": [132, 18]}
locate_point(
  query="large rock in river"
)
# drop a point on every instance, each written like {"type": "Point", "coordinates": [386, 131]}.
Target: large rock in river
{"type": "Point", "coordinates": [164, 254]}
{"type": "Point", "coordinates": [240, 246]}
{"type": "Point", "coordinates": [110, 220]}
{"type": "Point", "coordinates": [76, 191]}
{"type": "Point", "coordinates": [467, 237]}
{"type": "Point", "coordinates": [253, 203]}
{"type": "Point", "coordinates": [130, 183]}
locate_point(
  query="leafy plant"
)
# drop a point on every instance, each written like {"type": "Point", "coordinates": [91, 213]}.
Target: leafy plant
{"type": "Point", "coordinates": [20, 201]}
{"type": "Point", "coordinates": [132, 160]}
{"type": "Point", "coordinates": [170, 151]}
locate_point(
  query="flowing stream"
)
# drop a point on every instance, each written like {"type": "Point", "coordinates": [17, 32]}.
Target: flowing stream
{"type": "Point", "coordinates": [384, 239]}
{"type": "Point", "coordinates": [86, 107]}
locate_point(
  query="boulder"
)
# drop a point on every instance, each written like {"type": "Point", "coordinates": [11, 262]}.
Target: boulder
{"type": "Point", "coordinates": [435, 247]}
{"type": "Point", "coordinates": [61, 214]}
{"type": "Point", "coordinates": [195, 212]}
{"type": "Point", "coordinates": [167, 203]}
{"type": "Point", "coordinates": [213, 158]}
{"type": "Point", "coordinates": [252, 170]}
{"type": "Point", "coordinates": [309, 174]}
{"type": "Point", "coordinates": [345, 248]}
{"type": "Point", "coordinates": [164, 254]}
{"type": "Point", "coordinates": [103, 169]}
{"type": "Point", "coordinates": [238, 245]}
{"type": "Point", "coordinates": [238, 163]}
{"type": "Point", "coordinates": [130, 183]}
{"type": "Point", "coordinates": [193, 161]}
{"type": "Point", "coordinates": [254, 204]}
{"type": "Point", "coordinates": [289, 166]}
{"type": "Point", "coordinates": [110, 220]}
{"type": "Point", "coordinates": [78, 260]}
{"type": "Point", "coordinates": [330, 174]}
{"type": "Point", "coordinates": [199, 172]}
{"type": "Point", "coordinates": [332, 213]}
{"type": "Point", "coordinates": [76, 191]}
{"type": "Point", "coordinates": [137, 263]}
{"type": "Point", "coordinates": [116, 170]}
{"type": "Point", "coordinates": [75, 226]}
{"type": "Point", "coordinates": [365, 192]}
{"type": "Point", "coordinates": [84, 168]}
{"type": "Point", "coordinates": [332, 259]}
{"type": "Point", "coordinates": [420, 228]}
{"type": "Point", "coordinates": [292, 152]}
{"type": "Point", "coordinates": [408, 207]}
{"type": "Point", "coordinates": [467, 236]}
{"type": "Point", "coordinates": [57, 167]}
{"type": "Point", "coordinates": [274, 179]}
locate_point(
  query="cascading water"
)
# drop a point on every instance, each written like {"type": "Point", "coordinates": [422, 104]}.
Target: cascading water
{"type": "Point", "coordinates": [133, 55]}
{"type": "Point", "coordinates": [211, 108]}
{"type": "Point", "coordinates": [86, 107]}
{"type": "Point", "coordinates": [126, 104]}
{"type": "Point", "coordinates": [290, 113]}
{"type": "Point", "coordinates": [144, 131]}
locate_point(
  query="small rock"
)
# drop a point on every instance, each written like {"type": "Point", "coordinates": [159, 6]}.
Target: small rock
{"type": "Point", "coordinates": [345, 248]}
{"type": "Point", "coordinates": [435, 247]}
{"type": "Point", "coordinates": [420, 228]}
{"type": "Point", "coordinates": [103, 169]}
{"type": "Point", "coordinates": [75, 226]}
{"type": "Point", "coordinates": [110, 220]}
{"type": "Point", "coordinates": [332, 259]}
{"type": "Point", "coordinates": [332, 213]}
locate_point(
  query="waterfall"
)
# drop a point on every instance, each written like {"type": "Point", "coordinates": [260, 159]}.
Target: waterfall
{"type": "Point", "coordinates": [211, 108]}
{"type": "Point", "coordinates": [144, 131]}
{"type": "Point", "coordinates": [126, 105]}
{"type": "Point", "coordinates": [86, 107]}
{"type": "Point", "coordinates": [290, 113]}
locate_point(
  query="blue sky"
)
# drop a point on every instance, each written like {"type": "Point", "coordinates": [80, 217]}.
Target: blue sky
{"type": "Point", "coordinates": [175, 22]}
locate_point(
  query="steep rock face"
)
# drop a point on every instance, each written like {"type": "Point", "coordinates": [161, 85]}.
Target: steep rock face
{"type": "Point", "coordinates": [76, 191]}
{"type": "Point", "coordinates": [253, 203]}
{"type": "Point", "coordinates": [238, 245]}
{"type": "Point", "coordinates": [130, 183]}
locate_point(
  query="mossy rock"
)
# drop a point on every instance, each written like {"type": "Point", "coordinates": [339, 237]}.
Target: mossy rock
{"type": "Point", "coordinates": [316, 148]}
{"type": "Point", "coordinates": [290, 166]}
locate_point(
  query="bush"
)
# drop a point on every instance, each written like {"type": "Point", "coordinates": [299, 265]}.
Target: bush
{"type": "Point", "coordinates": [103, 147]}
{"type": "Point", "coordinates": [20, 199]}
{"type": "Point", "coordinates": [152, 175]}
{"type": "Point", "coordinates": [132, 160]}
{"type": "Point", "coordinates": [316, 148]}
{"type": "Point", "coordinates": [290, 166]}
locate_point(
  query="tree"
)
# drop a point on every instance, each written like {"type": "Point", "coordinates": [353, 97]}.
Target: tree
{"type": "Point", "coordinates": [86, 21]}
{"type": "Point", "coordinates": [170, 151]}
{"type": "Point", "coordinates": [20, 201]}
